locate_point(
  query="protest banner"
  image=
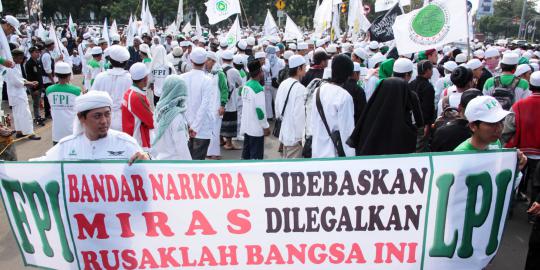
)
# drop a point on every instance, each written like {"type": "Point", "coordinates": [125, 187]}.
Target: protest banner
{"type": "Point", "coordinates": [424, 211]}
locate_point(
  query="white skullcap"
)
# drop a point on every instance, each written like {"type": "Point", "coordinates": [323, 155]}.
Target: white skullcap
{"type": "Point", "coordinates": [474, 64]}
{"type": "Point", "coordinates": [296, 61]}
{"type": "Point", "coordinates": [62, 68]}
{"type": "Point", "coordinates": [64, 40]}
{"type": "Point", "coordinates": [223, 43]}
{"type": "Point", "coordinates": [86, 35]}
{"type": "Point", "coordinates": [537, 54]}
{"type": "Point", "coordinates": [185, 43]}
{"type": "Point", "coordinates": [327, 74]}
{"type": "Point", "coordinates": [491, 52]}
{"type": "Point", "coordinates": [522, 69]}
{"type": "Point", "coordinates": [302, 46]}
{"type": "Point", "coordinates": [198, 56]}
{"type": "Point", "coordinates": [93, 100]}
{"type": "Point", "coordinates": [535, 79]}
{"type": "Point", "coordinates": [332, 48]}
{"type": "Point", "coordinates": [479, 54]}
{"type": "Point", "coordinates": [177, 51]}
{"type": "Point", "coordinates": [96, 50]}
{"type": "Point", "coordinates": [144, 48]}
{"type": "Point", "coordinates": [446, 49]}
{"type": "Point", "coordinates": [450, 66]}
{"type": "Point", "coordinates": [376, 59]}
{"type": "Point", "coordinates": [535, 67]}
{"type": "Point", "coordinates": [510, 58]}
{"type": "Point", "coordinates": [292, 46]}
{"type": "Point", "coordinates": [360, 52]}
{"type": "Point", "coordinates": [227, 55]}
{"type": "Point", "coordinates": [13, 22]}
{"type": "Point", "coordinates": [138, 71]}
{"type": "Point", "coordinates": [320, 43]}
{"type": "Point", "coordinates": [374, 45]}
{"type": "Point", "coordinates": [242, 44]}
{"type": "Point", "coordinates": [118, 53]}
{"type": "Point", "coordinates": [260, 55]}
{"type": "Point", "coordinates": [250, 41]}
{"type": "Point", "coordinates": [528, 55]}
{"type": "Point", "coordinates": [287, 55]}
{"type": "Point", "coordinates": [211, 55]}
{"type": "Point", "coordinates": [403, 65]}
{"type": "Point", "coordinates": [461, 58]}
{"type": "Point", "coordinates": [238, 59]}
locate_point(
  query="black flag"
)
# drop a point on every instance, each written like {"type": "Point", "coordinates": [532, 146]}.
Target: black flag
{"type": "Point", "coordinates": [381, 28]}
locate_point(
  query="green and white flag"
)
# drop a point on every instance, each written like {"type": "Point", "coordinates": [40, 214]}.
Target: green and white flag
{"type": "Point", "coordinates": [180, 12]}
{"type": "Point", "coordinates": [72, 27]}
{"type": "Point", "coordinates": [434, 25]}
{"type": "Point", "coordinates": [219, 10]}
{"type": "Point", "coordinates": [114, 29]}
{"type": "Point", "coordinates": [270, 27]}
{"type": "Point", "coordinates": [187, 28]}
{"type": "Point", "coordinates": [198, 27]}
{"type": "Point", "coordinates": [234, 34]}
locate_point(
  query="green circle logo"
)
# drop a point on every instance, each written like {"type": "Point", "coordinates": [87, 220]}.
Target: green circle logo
{"type": "Point", "coordinates": [429, 21]}
{"type": "Point", "coordinates": [430, 24]}
{"type": "Point", "coordinates": [230, 40]}
{"type": "Point", "coordinates": [221, 6]}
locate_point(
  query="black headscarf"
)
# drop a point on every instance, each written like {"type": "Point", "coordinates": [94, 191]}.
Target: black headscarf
{"type": "Point", "coordinates": [385, 126]}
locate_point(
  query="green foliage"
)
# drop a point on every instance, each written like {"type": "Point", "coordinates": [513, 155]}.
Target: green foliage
{"type": "Point", "coordinates": [500, 24]}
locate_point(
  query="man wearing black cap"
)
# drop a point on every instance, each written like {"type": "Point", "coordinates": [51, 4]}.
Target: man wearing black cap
{"type": "Point", "coordinates": [254, 125]}
{"type": "Point", "coordinates": [34, 72]}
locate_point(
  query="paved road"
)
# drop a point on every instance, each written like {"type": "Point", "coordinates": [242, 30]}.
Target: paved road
{"type": "Point", "coordinates": [511, 255]}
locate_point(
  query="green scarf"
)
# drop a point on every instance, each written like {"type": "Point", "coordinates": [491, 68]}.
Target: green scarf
{"type": "Point", "coordinates": [172, 102]}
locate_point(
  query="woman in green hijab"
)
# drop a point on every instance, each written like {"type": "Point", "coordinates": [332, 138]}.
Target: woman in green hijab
{"type": "Point", "coordinates": [171, 137]}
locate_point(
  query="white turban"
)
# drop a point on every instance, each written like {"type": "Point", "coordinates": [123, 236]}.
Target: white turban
{"type": "Point", "coordinates": [93, 100]}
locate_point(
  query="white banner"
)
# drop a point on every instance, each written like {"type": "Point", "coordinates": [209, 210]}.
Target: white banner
{"type": "Point", "coordinates": [426, 211]}
{"type": "Point", "coordinates": [434, 25]}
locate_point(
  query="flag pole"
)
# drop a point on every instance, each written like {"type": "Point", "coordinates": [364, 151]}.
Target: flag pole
{"type": "Point", "coordinates": [468, 32]}
{"type": "Point", "coordinates": [245, 15]}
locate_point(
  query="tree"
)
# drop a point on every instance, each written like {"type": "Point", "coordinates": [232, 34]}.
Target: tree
{"type": "Point", "coordinates": [501, 23]}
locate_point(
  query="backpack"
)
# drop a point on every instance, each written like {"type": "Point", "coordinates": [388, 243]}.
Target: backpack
{"type": "Point", "coordinates": [505, 95]}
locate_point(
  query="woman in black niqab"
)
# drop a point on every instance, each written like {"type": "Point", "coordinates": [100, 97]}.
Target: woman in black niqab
{"type": "Point", "coordinates": [386, 125]}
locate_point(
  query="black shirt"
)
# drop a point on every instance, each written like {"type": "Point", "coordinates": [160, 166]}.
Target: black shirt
{"type": "Point", "coordinates": [313, 73]}
{"type": "Point", "coordinates": [426, 95]}
{"type": "Point", "coordinates": [485, 76]}
{"type": "Point", "coordinates": [449, 136]}
{"type": "Point", "coordinates": [34, 71]}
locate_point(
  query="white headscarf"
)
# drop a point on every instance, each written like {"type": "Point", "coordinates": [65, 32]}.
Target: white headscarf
{"type": "Point", "coordinates": [89, 101]}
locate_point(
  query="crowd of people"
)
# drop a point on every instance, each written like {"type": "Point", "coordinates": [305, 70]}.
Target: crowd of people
{"type": "Point", "coordinates": [183, 97]}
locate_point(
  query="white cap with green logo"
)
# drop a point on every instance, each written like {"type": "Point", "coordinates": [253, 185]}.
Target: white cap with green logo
{"type": "Point", "coordinates": [486, 109]}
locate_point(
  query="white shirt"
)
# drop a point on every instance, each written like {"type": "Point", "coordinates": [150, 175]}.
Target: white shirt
{"type": "Point", "coordinates": [293, 121]}
{"type": "Point", "coordinates": [371, 85]}
{"type": "Point", "coordinates": [62, 111]}
{"type": "Point", "coordinates": [115, 146]}
{"type": "Point", "coordinates": [235, 82]}
{"type": "Point", "coordinates": [15, 86]}
{"type": "Point", "coordinates": [199, 114]}
{"type": "Point", "coordinates": [440, 85]}
{"type": "Point", "coordinates": [47, 61]}
{"type": "Point", "coordinates": [116, 82]}
{"type": "Point", "coordinates": [338, 108]}
{"type": "Point", "coordinates": [158, 76]}
{"type": "Point", "coordinates": [173, 144]}
{"type": "Point", "coordinates": [253, 119]}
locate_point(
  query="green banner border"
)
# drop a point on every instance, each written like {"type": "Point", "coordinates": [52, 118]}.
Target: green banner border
{"type": "Point", "coordinates": [429, 155]}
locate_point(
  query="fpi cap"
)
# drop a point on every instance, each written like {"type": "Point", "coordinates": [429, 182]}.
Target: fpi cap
{"type": "Point", "coordinates": [486, 109]}
{"type": "Point", "coordinates": [403, 65]}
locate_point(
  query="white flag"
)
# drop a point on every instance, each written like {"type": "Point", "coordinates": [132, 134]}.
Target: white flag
{"type": "Point", "coordinates": [149, 17]}
{"type": "Point", "coordinates": [172, 29]}
{"type": "Point", "coordinates": [130, 30]}
{"type": "Point", "coordinates": [187, 28]}
{"type": "Point", "coordinates": [292, 31]}
{"type": "Point", "coordinates": [270, 26]}
{"type": "Point", "coordinates": [434, 25]}
{"type": "Point", "coordinates": [357, 20]}
{"type": "Point", "coordinates": [114, 28]}
{"type": "Point", "coordinates": [105, 32]}
{"type": "Point", "coordinates": [198, 27]}
{"type": "Point", "coordinates": [180, 12]}
{"type": "Point", "coordinates": [234, 34]}
{"type": "Point", "coordinates": [143, 10]}
{"type": "Point", "coordinates": [219, 10]}
{"type": "Point", "coordinates": [323, 17]}
{"type": "Point", "coordinates": [52, 35]}
{"type": "Point", "coordinates": [336, 29]}
{"type": "Point", "coordinates": [72, 27]}
{"type": "Point", "coordinates": [41, 32]}
{"type": "Point", "coordinates": [382, 5]}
